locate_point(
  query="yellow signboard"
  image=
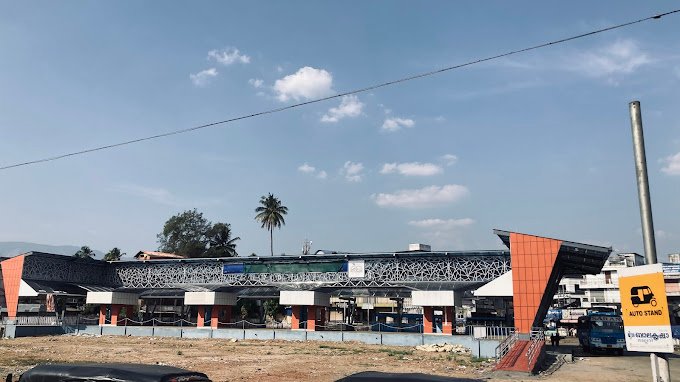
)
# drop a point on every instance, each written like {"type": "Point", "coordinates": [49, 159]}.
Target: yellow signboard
{"type": "Point", "coordinates": [644, 309]}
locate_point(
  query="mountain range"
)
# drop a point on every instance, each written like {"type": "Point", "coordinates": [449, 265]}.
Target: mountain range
{"type": "Point", "coordinates": [13, 248]}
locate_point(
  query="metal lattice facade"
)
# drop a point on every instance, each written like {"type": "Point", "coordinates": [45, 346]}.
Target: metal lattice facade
{"type": "Point", "coordinates": [424, 272]}
{"type": "Point", "coordinates": [421, 271]}
{"type": "Point", "coordinates": [48, 267]}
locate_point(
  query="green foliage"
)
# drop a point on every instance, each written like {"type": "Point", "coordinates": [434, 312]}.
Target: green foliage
{"type": "Point", "coordinates": [191, 235]}
{"type": "Point", "coordinates": [220, 241]}
{"type": "Point", "coordinates": [246, 308]}
{"type": "Point", "coordinates": [113, 255]}
{"type": "Point", "coordinates": [270, 214]}
{"type": "Point", "coordinates": [271, 308]}
{"type": "Point", "coordinates": [84, 253]}
{"type": "Point", "coordinates": [185, 234]}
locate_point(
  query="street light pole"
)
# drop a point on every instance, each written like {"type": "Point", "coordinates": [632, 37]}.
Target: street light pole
{"type": "Point", "coordinates": [659, 361]}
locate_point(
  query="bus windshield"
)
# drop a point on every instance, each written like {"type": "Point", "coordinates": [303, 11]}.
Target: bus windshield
{"type": "Point", "coordinates": [606, 326]}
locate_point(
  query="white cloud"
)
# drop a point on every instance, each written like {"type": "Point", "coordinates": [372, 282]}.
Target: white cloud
{"type": "Point", "coordinates": [309, 169]}
{"type": "Point", "coordinates": [449, 159]}
{"type": "Point", "coordinates": [228, 56]}
{"type": "Point", "coordinates": [256, 82]}
{"type": "Point", "coordinates": [306, 168]}
{"type": "Point", "coordinates": [203, 77]}
{"type": "Point", "coordinates": [350, 107]}
{"type": "Point", "coordinates": [422, 198]}
{"type": "Point", "coordinates": [394, 124]}
{"type": "Point", "coordinates": [442, 224]}
{"type": "Point", "coordinates": [352, 171]}
{"type": "Point", "coordinates": [307, 83]}
{"type": "Point", "coordinates": [411, 169]}
{"type": "Point", "coordinates": [620, 57]}
{"type": "Point", "coordinates": [672, 166]}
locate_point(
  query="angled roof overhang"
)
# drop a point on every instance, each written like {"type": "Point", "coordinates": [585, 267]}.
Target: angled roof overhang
{"type": "Point", "coordinates": [573, 258]}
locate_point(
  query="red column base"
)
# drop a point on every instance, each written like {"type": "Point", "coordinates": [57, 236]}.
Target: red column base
{"type": "Point", "coordinates": [311, 318]}
{"type": "Point", "coordinates": [428, 312]}
{"type": "Point", "coordinates": [295, 317]}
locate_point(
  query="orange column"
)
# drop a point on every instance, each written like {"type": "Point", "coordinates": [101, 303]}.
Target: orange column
{"type": "Point", "coordinates": [215, 316]}
{"type": "Point", "coordinates": [447, 324]}
{"type": "Point", "coordinates": [428, 312]}
{"type": "Point", "coordinates": [115, 311]}
{"type": "Point", "coordinates": [102, 314]}
{"type": "Point", "coordinates": [12, 269]}
{"type": "Point", "coordinates": [532, 258]}
{"type": "Point", "coordinates": [311, 318]}
{"type": "Point", "coordinates": [200, 319]}
{"type": "Point", "coordinates": [295, 317]}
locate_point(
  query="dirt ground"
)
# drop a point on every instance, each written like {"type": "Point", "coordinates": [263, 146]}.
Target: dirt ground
{"type": "Point", "coordinates": [224, 360]}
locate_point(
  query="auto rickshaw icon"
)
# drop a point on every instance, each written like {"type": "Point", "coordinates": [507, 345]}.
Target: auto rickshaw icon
{"type": "Point", "coordinates": [640, 295]}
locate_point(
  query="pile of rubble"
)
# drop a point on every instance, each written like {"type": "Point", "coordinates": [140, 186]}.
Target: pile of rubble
{"type": "Point", "coordinates": [444, 348]}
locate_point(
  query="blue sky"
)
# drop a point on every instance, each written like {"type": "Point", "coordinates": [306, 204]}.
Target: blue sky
{"type": "Point", "coordinates": [537, 143]}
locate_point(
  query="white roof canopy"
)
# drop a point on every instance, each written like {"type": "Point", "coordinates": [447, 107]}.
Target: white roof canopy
{"type": "Point", "coordinates": [500, 287]}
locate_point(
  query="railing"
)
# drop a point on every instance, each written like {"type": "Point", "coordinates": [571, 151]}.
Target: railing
{"type": "Point", "coordinates": [504, 347]}
{"type": "Point", "coordinates": [42, 320]}
{"type": "Point", "coordinates": [35, 321]}
{"type": "Point", "coordinates": [537, 338]}
{"type": "Point", "coordinates": [492, 332]}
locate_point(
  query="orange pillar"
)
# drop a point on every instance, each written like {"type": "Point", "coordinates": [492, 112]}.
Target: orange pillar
{"type": "Point", "coordinates": [12, 269]}
{"type": "Point", "coordinates": [428, 312]}
{"type": "Point", "coordinates": [295, 317]}
{"type": "Point", "coordinates": [533, 259]}
{"type": "Point", "coordinates": [200, 319]}
{"type": "Point", "coordinates": [102, 314]}
{"type": "Point", "coordinates": [215, 316]}
{"type": "Point", "coordinates": [115, 311]}
{"type": "Point", "coordinates": [447, 324]}
{"type": "Point", "coordinates": [311, 318]}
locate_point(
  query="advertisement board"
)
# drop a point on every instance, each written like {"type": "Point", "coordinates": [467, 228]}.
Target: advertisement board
{"type": "Point", "coordinates": [644, 309]}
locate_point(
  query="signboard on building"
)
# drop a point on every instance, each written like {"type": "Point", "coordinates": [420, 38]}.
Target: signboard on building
{"type": "Point", "coordinates": [644, 308]}
{"type": "Point", "coordinates": [355, 269]}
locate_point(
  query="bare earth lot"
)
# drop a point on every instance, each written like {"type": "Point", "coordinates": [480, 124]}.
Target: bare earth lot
{"type": "Point", "coordinates": [224, 360]}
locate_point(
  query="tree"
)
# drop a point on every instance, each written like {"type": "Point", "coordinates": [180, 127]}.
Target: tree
{"type": "Point", "coordinates": [190, 234]}
{"type": "Point", "coordinates": [220, 241]}
{"type": "Point", "coordinates": [271, 308]}
{"type": "Point", "coordinates": [113, 255]}
{"type": "Point", "coordinates": [185, 234]}
{"type": "Point", "coordinates": [84, 253]}
{"type": "Point", "coordinates": [270, 214]}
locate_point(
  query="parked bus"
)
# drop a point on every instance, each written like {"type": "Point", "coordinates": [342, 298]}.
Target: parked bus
{"type": "Point", "coordinates": [601, 331]}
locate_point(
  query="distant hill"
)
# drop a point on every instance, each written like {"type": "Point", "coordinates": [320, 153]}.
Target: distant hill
{"type": "Point", "coordinates": [13, 248]}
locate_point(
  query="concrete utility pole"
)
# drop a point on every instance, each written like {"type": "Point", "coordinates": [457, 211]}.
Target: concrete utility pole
{"type": "Point", "coordinates": [660, 369]}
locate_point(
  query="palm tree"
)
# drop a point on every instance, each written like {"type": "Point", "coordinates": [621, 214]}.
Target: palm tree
{"type": "Point", "coordinates": [221, 242]}
{"type": "Point", "coordinates": [84, 253]}
{"type": "Point", "coordinates": [113, 255]}
{"type": "Point", "coordinates": [270, 214]}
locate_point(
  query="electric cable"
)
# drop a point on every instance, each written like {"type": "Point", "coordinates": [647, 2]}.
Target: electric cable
{"type": "Point", "coordinates": [339, 95]}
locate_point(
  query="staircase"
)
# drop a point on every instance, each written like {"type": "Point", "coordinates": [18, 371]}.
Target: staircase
{"type": "Point", "coordinates": [524, 355]}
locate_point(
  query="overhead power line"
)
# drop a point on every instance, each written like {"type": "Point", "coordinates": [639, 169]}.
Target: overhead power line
{"type": "Point", "coordinates": [355, 91]}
